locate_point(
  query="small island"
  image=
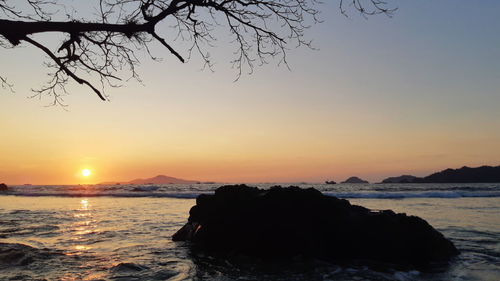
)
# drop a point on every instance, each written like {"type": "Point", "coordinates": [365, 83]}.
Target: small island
{"type": "Point", "coordinates": [400, 179]}
{"type": "Point", "coordinates": [354, 180]}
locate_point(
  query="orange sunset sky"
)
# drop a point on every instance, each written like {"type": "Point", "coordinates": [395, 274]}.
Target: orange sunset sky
{"type": "Point", "coordinates": [412, 94]}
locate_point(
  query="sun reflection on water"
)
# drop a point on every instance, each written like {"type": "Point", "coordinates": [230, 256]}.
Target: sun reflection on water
{"type": "Point", "coordinates": [81, 247]}
{"type": "Point", "coordinates": [84, 204]}
{"type": "Point", "coordinates": [84, 226]}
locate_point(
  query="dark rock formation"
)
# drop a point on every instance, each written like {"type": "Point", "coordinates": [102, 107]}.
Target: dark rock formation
{"type": "Point", "coordinates": [354, 180]}
{"type": "Point", "coordinates": [400, 179]}
{"type": "Point", "coordinates": [330, 182]}
{"type": "Point", "coordinates": [3, 187]}
{"type": "Point", "coordinates": [287, 222]}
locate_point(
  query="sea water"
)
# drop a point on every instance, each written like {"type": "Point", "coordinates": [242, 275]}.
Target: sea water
{"type": "Point", "coordinates": [121, 232]}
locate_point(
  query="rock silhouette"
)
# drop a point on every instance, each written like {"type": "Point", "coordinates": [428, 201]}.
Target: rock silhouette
{"type": "Point", "coordinates": [400, 179]}
{"type": "Point", "coordinates": [286, 222]}
{"type": "Point", "coordinates": [3, 187]}
{"type": "Point", "coordinates": [354, 180]}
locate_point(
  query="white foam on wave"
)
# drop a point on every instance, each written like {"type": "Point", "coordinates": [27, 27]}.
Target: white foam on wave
{"type": "Point", "coordinates": [188, 192]}
{"type": "Point", "coordinates": [146, 188]}
{"type": "Point", "coordinates": [401, 195]}
{"type": "Point", "coordinates": [103, 194]}
{"type": "Point", "coordinates": [345, 195]}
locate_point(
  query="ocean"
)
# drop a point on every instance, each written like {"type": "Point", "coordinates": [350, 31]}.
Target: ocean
{"type": "Point", "coordinates": [123, 232]}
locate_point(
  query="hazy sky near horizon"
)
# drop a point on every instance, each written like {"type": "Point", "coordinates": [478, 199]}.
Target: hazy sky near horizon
{"type": "Point", "coordinates": [411, 94]}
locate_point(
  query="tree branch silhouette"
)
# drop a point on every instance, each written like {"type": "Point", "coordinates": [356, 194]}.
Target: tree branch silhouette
{"type": "Point", "coordinates": [106, 44]}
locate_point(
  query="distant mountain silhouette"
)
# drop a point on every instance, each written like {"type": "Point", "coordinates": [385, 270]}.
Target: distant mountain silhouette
{"type": "Point", "coordinates": [483, 174]}
{"type": "Point", "coordinates": [400, 179]}
{"type": "Point", "coordinates": [354, 180]}
{"type": "Point", "coordinates": [160, 179]}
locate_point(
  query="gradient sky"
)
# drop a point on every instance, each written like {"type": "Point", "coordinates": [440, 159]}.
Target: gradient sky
{"type": "Point", "coordinates": [411, 94]}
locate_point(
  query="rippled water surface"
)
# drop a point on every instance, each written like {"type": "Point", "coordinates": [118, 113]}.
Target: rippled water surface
{"type": "Point", "coordinates": [129, 238]}
{"type": "Point", "coordinates": [96, 238]}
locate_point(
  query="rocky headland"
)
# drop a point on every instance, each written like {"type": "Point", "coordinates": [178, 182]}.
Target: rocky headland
{"type": "Point", "coordinates": [483, 174]}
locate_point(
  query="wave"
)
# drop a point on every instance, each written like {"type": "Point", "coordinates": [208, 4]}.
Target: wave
{"type": "Point", "coordinates": [441, 188]}
{"type": "Point", "coordinates": [344, 195]}
{"type": "Point", "coordinates": [120, 194]}
{"type": "Point", "coordinates": [16, 254]}
{"type": "Point", "coordinates": [402, 195]}
{"type": "Point", "coordinates": [146, 188]}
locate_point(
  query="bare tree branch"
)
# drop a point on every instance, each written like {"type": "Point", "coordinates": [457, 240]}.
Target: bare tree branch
{"type": "Point", "coordinates": [63, 67]}
{"type": "Point", "coordinates": [4, 84]}
{"type": "Point", "coordinates": [104, 46]}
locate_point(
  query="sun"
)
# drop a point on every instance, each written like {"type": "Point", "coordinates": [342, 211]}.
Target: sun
{"type": "Point", "coordinates": [86, 172]}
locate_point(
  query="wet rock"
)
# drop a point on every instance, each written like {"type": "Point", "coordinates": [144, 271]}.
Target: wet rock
{"type": "Point", "coordinates": [286, 222]}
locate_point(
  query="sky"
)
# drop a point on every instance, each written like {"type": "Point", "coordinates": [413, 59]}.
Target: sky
{"type": "Point", "coordinates": [412, 94]}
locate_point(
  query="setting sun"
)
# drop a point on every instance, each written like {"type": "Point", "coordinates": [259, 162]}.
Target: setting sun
{"type": "Point", "coordinates": [86, 172]}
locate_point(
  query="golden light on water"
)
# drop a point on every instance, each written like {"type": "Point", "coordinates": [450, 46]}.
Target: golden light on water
{"type": "Point", "coordinates": [84, 204]}
{"type": "Point", "coordinates": [83, 227]}
{"type": "Point", "coordinates": [81, 247]}
{"type": "Point", "coordinates": [86, 172]}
